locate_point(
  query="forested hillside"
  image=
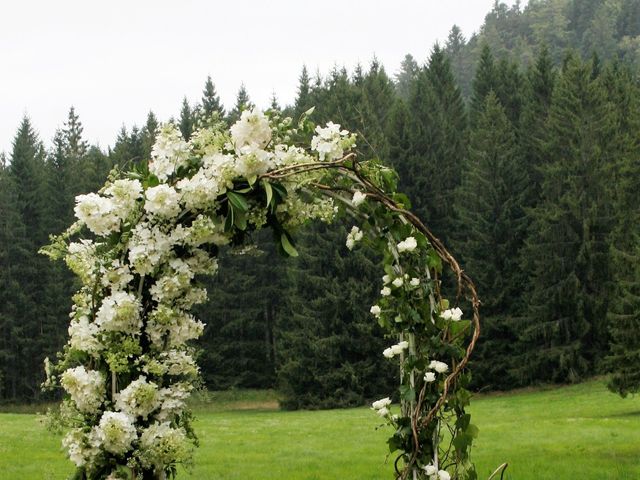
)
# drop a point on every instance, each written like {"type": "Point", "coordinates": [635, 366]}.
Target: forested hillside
{"type": "Point", "coordinates": [519, 147]}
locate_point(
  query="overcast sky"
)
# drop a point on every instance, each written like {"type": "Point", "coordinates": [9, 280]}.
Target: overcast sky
{"type": "Point", "coordinates": [116, 60]}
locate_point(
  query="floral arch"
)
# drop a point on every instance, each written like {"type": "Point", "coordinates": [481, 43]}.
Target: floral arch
{"type": "Point", "coordinates": [141, 240]}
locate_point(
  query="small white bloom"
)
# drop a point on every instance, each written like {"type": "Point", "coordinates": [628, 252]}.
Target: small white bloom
{"type": "Point", "coordinates": [385, 292]}
{"type": "Point", "coordinates": [454, 314]}
{"type": "Point", "coordinates": [397, 282]}
{"type": "Point", "coordinates": [383, 412]}
{"type": "Point", "coordinates": [375, 311]}
{"type": "Point", "coordinates": [355, 235]}
{"type": "Point", "coordinates": [378, 404]}
{"type": "Point", "coordinates": [163, 201]}
{"type": "Point", "coordinates": [443, 475]}
{"type": "Point", "coordinates": [430, 469]}
{"type": "Point", "coordinates": [386, 279]}
{"type": "Point", "coordinates": [115, 433]}
{"type": "Point", "coordinates": [409, 244]}
{"type": "Point", "coordinates": [388, 352]}
{"type": "Point", "coordinates": [358, 198]}
{"type": "Point", "coordinates": [414, 282]}
{"type": "Point", "coordinates": [439, 367]}
{"type": "Point", "coordinates": [429, 377]}
{"type": "Point", "coordinates": [252, 129]}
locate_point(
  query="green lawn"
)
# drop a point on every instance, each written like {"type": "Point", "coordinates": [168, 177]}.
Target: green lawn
{"type": "Point", "coordinates": [580, 432]}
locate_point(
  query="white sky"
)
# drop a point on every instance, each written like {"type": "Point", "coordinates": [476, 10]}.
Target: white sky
{"type": "Point", "coordinates": [115, 60]}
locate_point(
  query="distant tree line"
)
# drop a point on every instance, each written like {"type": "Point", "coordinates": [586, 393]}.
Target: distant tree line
{"type": "Point", "coordinates": [530, 176]}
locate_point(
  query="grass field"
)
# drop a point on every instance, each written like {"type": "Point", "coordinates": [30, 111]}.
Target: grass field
{"type": "Point", "coordinates": [580, 432]}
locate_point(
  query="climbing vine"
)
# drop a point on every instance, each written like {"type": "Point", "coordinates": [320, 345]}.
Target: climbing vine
{"type": "Point", "coordinates": [141, 242]}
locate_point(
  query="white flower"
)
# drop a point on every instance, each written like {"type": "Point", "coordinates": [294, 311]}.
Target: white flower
{"type": "Point", "coordinates": [385, 292]}
{"type": "Point", "coordinates": [358, 198]}
{"type": "Point", "coordinates": [430, 469]}
{"type": "Point", "coordinates": [97, 213]}
{"type": "Point", "coordinates": [251, 129]}
{"type": "Point", "coordinates": [375, 311]}
{"type": "Point", "coordinates": [429, 377]}
{"type": "Point", "coordinates": [120, 312]}
{"type": "Point", "coordinates": [162, 445]}
{"type": "Point", "coordinates": [409, 244]}
{"type": "Point", "coordinates": [78, 448]}
{"type": "Point", "coordinates": [443, 475]}
{"type": "Point", "coordinates": [86, 388]}
{"type": "Point", "coordinates": [397, 349]}
{"type": "Point", "coordinates": [383, 412]}
{"type": "Point", "coordinates": [378, 404]}
{"type": "Point", "coordinates": [253, 161]}
{"type": "Point", "coordinates": [439, 367]}
{"type": "Point", "coordinates": [168, 153]}
{"type": "Point", "coordinates": [414, 282]}
{"type": "Point", "coordinates": [329, 141]}
{"type": "Point", "coordinates": [148, 246]}
{"type": "Point", "coordinates": [454, 314]}
{"type": "Point", "coordinates": [397, 282]}
{"type": "Point", "coordinates": [125, 194]}
{"type": "Point", "coordinates": [83, 335]}
{"type": "Point", "coordinates": [386, 279]}
{"type": "Point", "coordinates": [139, 399]}
{"type": "Point", "coordinates": [355, 235]}
{"type": "Point", "coordinates": [115, 433]}
{"type": "Point", "coordinates": [163, 201]}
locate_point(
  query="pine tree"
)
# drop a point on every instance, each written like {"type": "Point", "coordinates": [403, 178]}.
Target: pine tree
{"type": "Point", "coordinates": [148, 134]}
{"type": "Point", "coordinates": [23, 309]}
{"type": "Point", "coordinates": [484, 81]}
{"type": "Point", "coordinates": [75, 145]}
{"type": "Point", "coordinates": [211, 101]}
{"type": "Point", "coordinates": [490, 207]}
{"type": "Point", "coordinates": [329, 345]}
{"type": "Point", "coordinates": [409, 70]}
{"type": "Point", "coordinates": [623, 360]}
{"type": "Point", "coordinates": [567, 252]}
{"type": "Point", "coordinates": [243, 102]}
{"type": "Point", "coordinates": [186, 123]}
{"type": "Point", "coordinates": [533, 122]}
{"type": "Point", "coordinates": [304, 99]}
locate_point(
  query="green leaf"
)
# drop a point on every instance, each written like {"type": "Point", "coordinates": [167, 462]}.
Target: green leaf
{"type": "Point", "coordinates": [238, 201]}
{"type": "Point", "coordinates": [269, 191]}
{"type": "Point", "coordinates": [287, 246]}
{"type": "Point", "coordinates": [240, 220]}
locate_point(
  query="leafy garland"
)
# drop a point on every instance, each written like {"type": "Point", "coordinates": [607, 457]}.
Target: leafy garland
{"type": "Point", "coordinates": [128, 367]}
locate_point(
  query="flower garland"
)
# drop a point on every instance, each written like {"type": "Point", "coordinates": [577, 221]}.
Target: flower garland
{"type": "Point", "coordinates": [128, 367]}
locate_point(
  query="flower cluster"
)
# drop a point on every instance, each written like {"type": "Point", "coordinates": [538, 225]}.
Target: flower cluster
{"type": "Point", "coordinates": [397, 349]}
{"type": "Point", "coordinates": [355, 235]}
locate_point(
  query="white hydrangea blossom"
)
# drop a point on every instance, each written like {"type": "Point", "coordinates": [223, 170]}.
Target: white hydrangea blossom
{"type": "Point", "coordinates": [385, 292]}
{"type": "Point", "coordinates": [429, 377]}
{"type": "Point", "coordinates": [409, 244]}
{"type": "Point", "coordinates": [414, 282]}
{"type": "Point", "coordinates": [86, 388]}
{"type": "Point", "coordinates": [97, 213]}
{"type": "Point", "coordinates": [161, 444]}
{"type": "Point", "coordinates": [397, 282]}
{"type": "Point", "coordinates": [430, 469]}
{"type": "Point", "coordinates": [83, 335]}
{"type": "Point", "coordinates": [148, 246]}
{"type": "Point", "coordinates": [115, 432]}
{"type": "Point", "coordinates": [139, 399]}
{"type": "Point", "coordinates": [78, 448]}
{"type": "Point", "coordinates": [375, 311]}
{"type": "Point", "coordinates": [200, 191]}
{"type": "Point", "coordinates": [394, 350]}
{"type": "Point", "coordinates": [358, 198]}
{"type": "Point", "coordinates": [453, 314]}
{"type": "Point", "coordinates": [162, 201]}
{"type": "Point", "coordinates": [120, 312]}
{"type": "Point", "coordinates": [117, 276]}
{"type": "Point", "coordinates": [329, 141]}
{"type": "Point", "coordinates": [169, 152]}
{"type": "Point", "coordinates": [124, 194]}
{"type": "Point", "coordinates": [173, 400]}
{"type": "Point", "coordinates": [382, 403]}
{"type": "Point", "coordinates": [439, 367]}
{"type": "Point", "coordinates": [252, 161]}
{"type": "Point", "coordinates": [355, 235]}
{"type": "Point", "coordinates": [252, 129]}
{"type": "Point", "coordinates": [81, 260]}
{"type": "Point", "coordinates": [176, 362]}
